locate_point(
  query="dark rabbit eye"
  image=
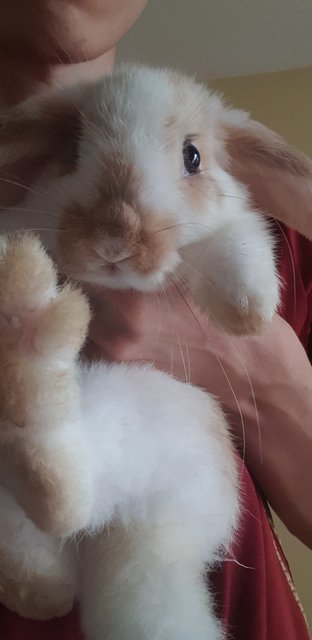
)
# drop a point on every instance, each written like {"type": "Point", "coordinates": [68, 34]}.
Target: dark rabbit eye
{"type": "Point", "coordinates": [191, 157]}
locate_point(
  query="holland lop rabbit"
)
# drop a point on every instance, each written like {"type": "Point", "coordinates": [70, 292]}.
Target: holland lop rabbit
{"type": "Point", "coordinates": [133, 468]}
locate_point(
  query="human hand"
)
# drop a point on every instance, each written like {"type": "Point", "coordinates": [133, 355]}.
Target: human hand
{"type": "Point", "coordinates": [264, 383]}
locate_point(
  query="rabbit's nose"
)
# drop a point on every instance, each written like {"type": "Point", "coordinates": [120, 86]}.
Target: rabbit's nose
{"type": "Point", "coordinates": [112, 250]}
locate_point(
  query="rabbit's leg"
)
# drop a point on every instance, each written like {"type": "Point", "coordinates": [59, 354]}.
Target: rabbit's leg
{"type": "Point", "coordinates": [232, 275]}
{"type": "Point", "coordinates": [37, 572]}
{"type": "Point", "coordinates": [43, 454]}
{"type": "Point", "coordinates": [145, 584]}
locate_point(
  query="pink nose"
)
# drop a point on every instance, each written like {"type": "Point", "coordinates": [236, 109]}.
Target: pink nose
{"type": "Point", "coordinates": [112, 250]}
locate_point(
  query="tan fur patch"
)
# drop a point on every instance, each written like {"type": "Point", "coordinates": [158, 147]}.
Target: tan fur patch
{"type": "Point", "coordinates": [47, 486]}
{"type": "Point", "coordinates": [81, 228]}
{"type": "Point", "coordinates": [231, 317]}
{"type": "Point", "coordinates": [258, 144]}
{"type": "Point", "coordinates": [198, 189]}
{"type": "Point", "coordinates": [171, 121]}
{"type": "Point", "coordinates": [48, 131]}
{"type": "Point", "coordinates": [238, 323]}
{"type": "Point", "coordinates": [278, 177]}
{"type": "Point", "coordinates": [114, 214]}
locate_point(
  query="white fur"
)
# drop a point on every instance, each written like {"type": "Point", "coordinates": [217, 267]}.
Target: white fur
{"type": "Point", "coordinates": [236, 262]}
{"type": "Point", "coordinates": [146, 470]}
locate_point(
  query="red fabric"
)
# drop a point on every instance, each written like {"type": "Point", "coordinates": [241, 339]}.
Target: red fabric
{"type": "Point", "coordinates": [254, 599]}
{"type": "Point", "coordinates": [253, 596]}
{"type": "Point", "coordinates": [14, 628]}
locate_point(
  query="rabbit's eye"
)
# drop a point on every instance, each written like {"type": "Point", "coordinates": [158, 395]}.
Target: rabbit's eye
{"type": "Point", "coordinates": [191, 157]}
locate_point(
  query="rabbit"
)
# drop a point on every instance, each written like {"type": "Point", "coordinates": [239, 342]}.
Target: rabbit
{"type": "Point", "coordinates": [136, 169]}
{"type": "Point", "coordinates": [133, 169]}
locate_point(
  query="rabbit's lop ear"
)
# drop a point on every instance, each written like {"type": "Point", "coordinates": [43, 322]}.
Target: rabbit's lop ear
{"type": "Point", "coordinates": [278, 176]}
{"type": "Point", "coordinates": [34, 134]}
{"type": "Point", "coordinates": [241, 286]}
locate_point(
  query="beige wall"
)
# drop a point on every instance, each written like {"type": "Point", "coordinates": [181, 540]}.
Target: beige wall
{"type": "Point", "coordinates": [282, 101]}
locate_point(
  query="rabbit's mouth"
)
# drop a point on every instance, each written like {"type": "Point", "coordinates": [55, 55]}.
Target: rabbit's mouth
{"type": "Point", "coordinates": [110, 262]}
{"type": "Point", "coordinates": [122, 276]}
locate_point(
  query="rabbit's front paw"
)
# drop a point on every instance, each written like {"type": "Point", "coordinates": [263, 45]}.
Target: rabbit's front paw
{"type": "Point", "coordinates": [27, 277]}
{"type": "Point", "coordinates": [42, 328]}
{"type": "Point", "coordinates": [35, 315]}
{"type": "Point", "coordinates": [245, 314]}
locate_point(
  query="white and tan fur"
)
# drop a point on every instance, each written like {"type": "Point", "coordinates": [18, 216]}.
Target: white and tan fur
{"type": "Point", "coordinates": [138, 462]}
{"type": "Point", "coordinates": [120, 191]}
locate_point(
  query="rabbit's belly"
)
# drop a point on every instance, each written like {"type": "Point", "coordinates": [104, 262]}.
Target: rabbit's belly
{"type": "Point", "coordinates": [157, 461]}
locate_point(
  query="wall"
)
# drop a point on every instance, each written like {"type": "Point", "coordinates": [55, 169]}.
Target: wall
{"type": "Point", "coordinates": [222, 38]}
{"type": "Point", "coordinates": [282, 101]}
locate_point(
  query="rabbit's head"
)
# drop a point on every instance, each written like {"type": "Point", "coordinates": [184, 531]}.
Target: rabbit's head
{"type": "Point", "coordinates": [142, 165]}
